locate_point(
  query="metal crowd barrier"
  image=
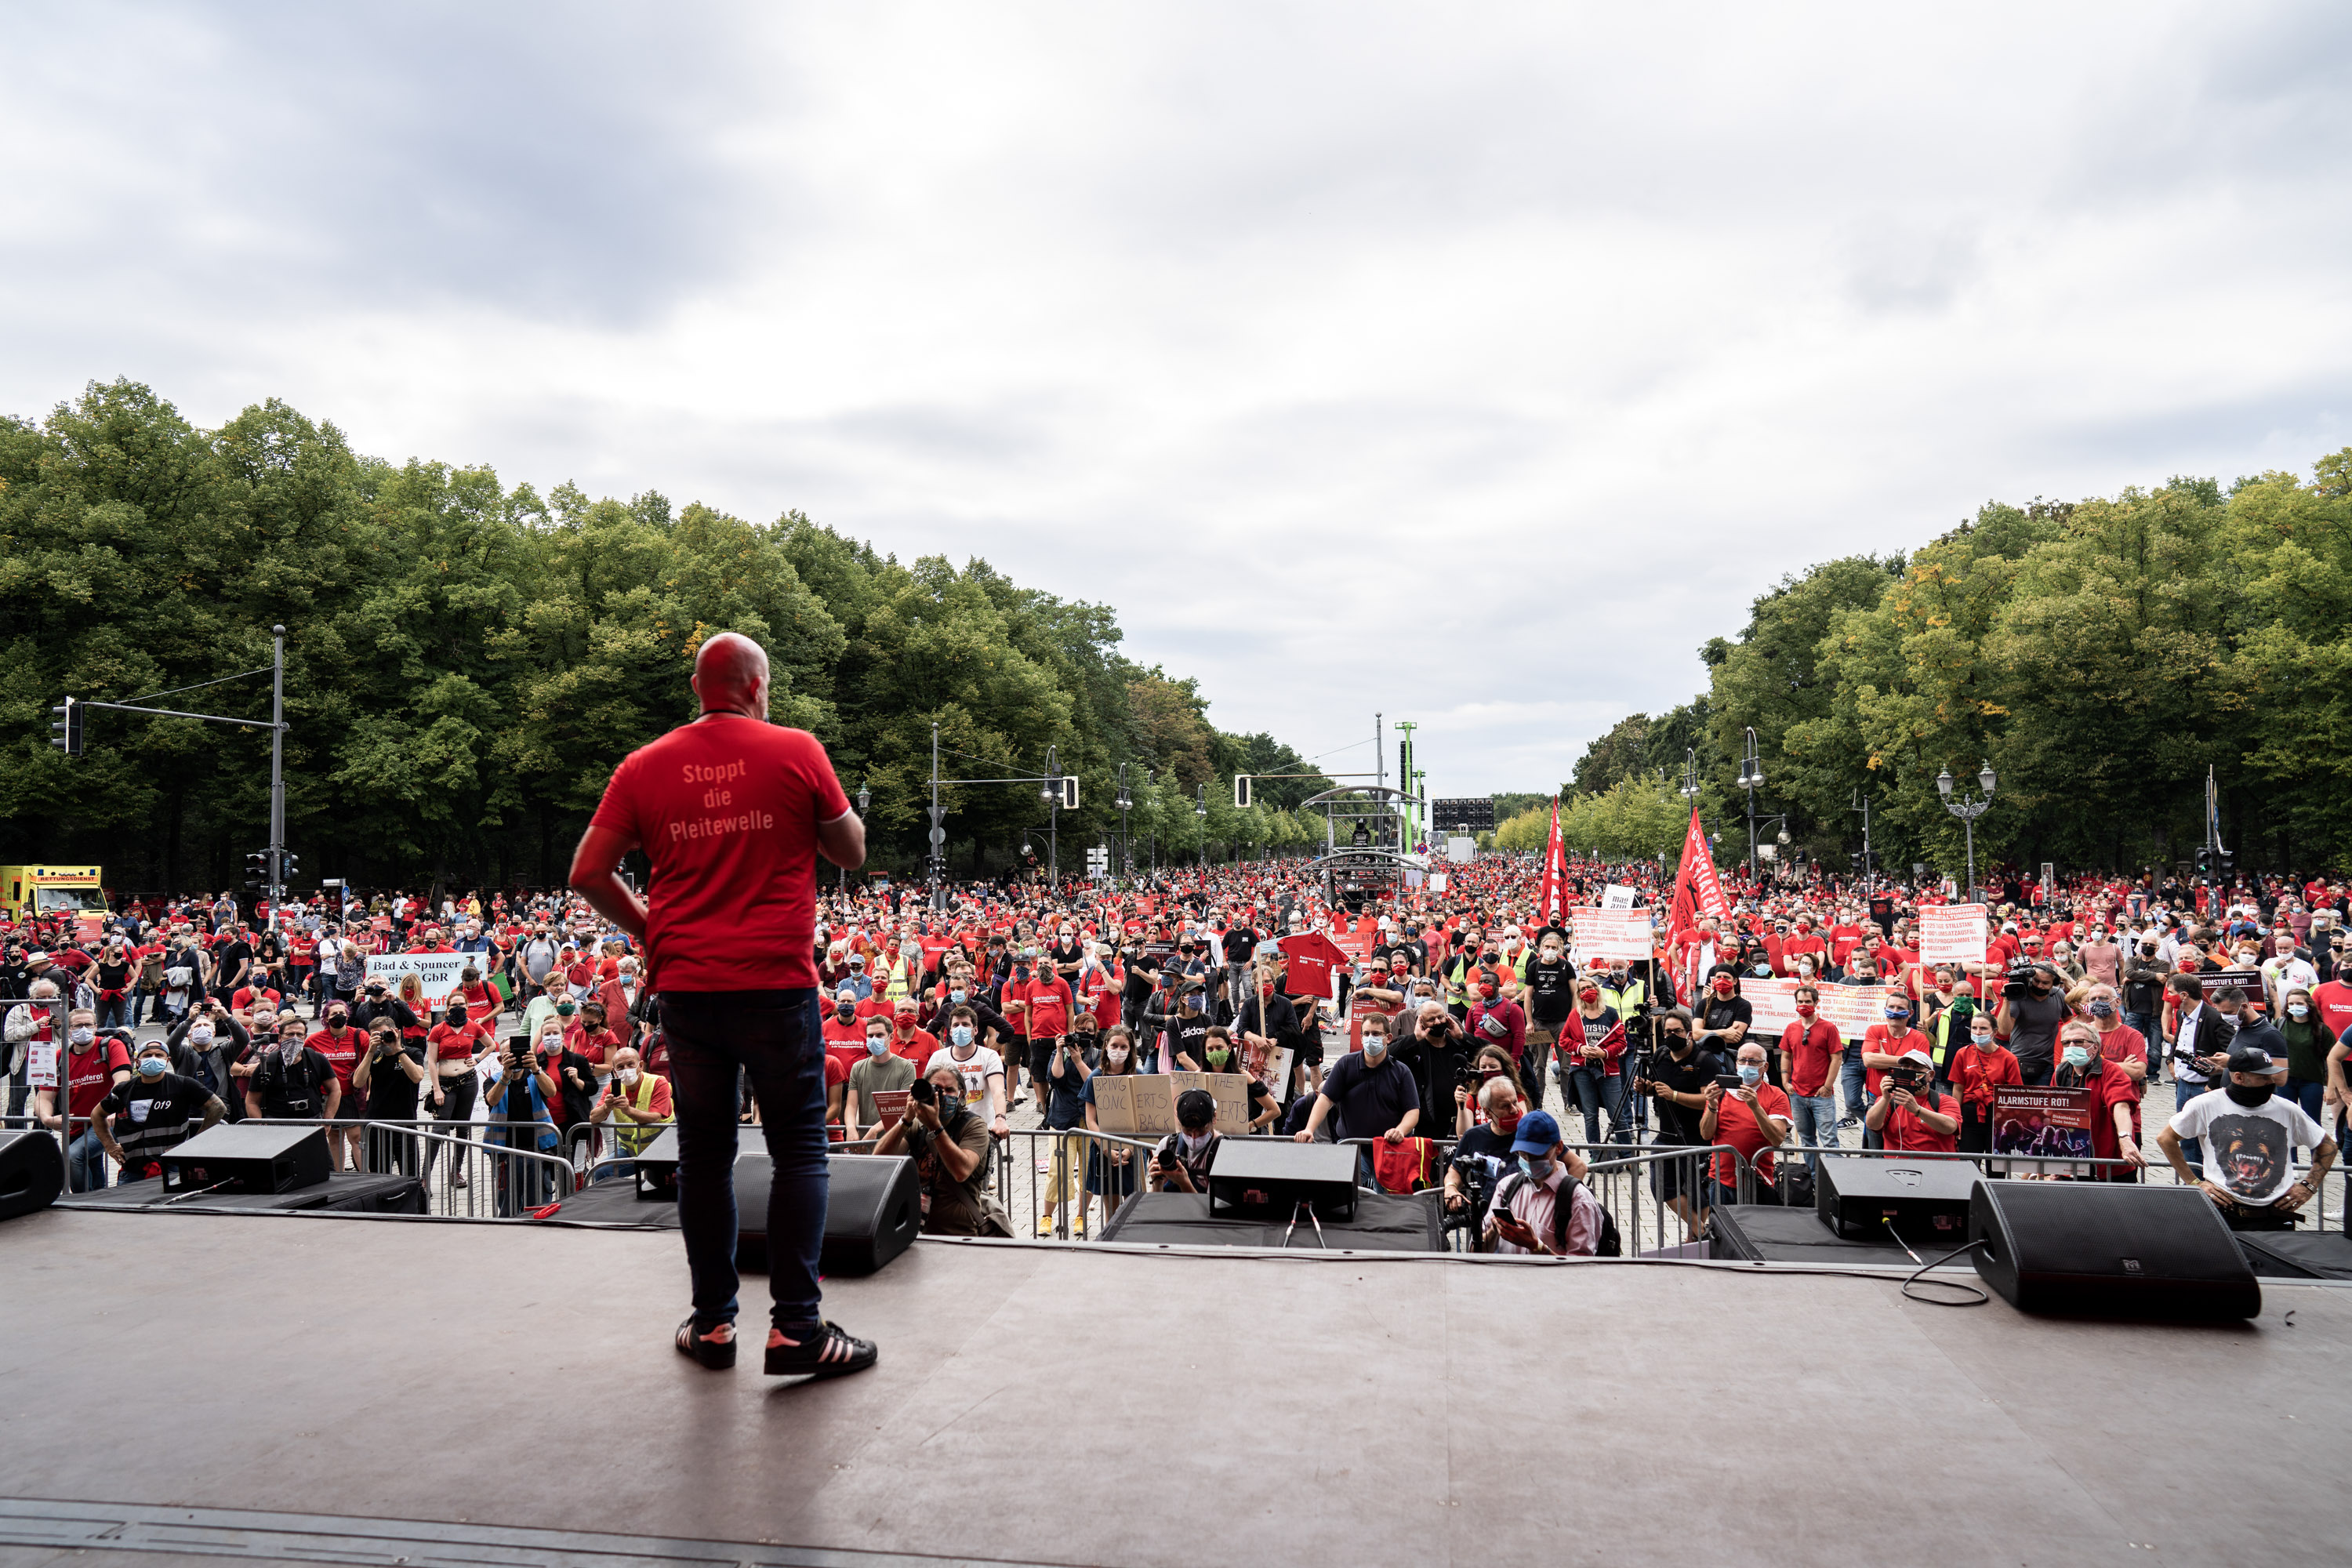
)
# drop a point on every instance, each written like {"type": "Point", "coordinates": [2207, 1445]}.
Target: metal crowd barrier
{"type": "Point", "coordinates": [1636, 1183]}
{"type": "Point", "coordinates": [468, 1169]}
{"type": "Point", "coordinates": [1082, 1174]}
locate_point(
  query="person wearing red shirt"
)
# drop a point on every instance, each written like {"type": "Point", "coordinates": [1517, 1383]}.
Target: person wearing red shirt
{"type": "Point", "coordinates": [1811, 1053]}
{"type": "Point", "coordinates": [342, 1045]}
{"type": "Point", "coordinates": [2334, 1003]}
{"type": "Point", "coordinates": [732, 812]}
{"type": "Point", "coordinates": [90, 1066]}
{"type": "Point", "coordinates": [1977, 1068]}
{"type": "Point", "coordinates": [593, 1037]}
{"type": "Point", "coordinates": [1040, 1007]}
{"type": "Point", "coordinates": [1883, 1045]}
{"type": "Point", "coordinates": [1805, 942]}
{"type": "Point", "coordinates": [907, 1038]}
{"type": "Point", "coordinates": [2114, 1099]}
{"type": "Point", "coordinates": [843, 1028]}
{"type": "Point", "coordinates": [1910, 1114]}
{"type": "Point", "coordinates": [1752, 1119]}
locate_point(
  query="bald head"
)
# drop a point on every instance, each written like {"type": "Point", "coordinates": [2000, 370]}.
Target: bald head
{"type": "Point", "coordinates": [731, 676]}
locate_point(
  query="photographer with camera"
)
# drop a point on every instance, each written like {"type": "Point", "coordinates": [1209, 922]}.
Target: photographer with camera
{"type": "Point", "coordinates": [1180, 1164]}
{"type": "Point", "coordinates": [389, 1074]}
{"type": "Point", "coordinates": [2031, 1008]}
{"type": "Point", "coordinates": [1751, 1118]}
{"type": "Point", "coordinates": [1885, 1044]}
{"type": "Point", "coordinates": [950, 1145]}
{"type": "Point", "coordinates": [1482, 1153]}
{"type": "Point", "coordinates": [1909, 1113]}
{"type": "Point", "coordinates": [638, 1103]}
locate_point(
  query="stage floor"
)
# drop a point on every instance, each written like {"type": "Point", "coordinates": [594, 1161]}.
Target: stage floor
{"type": "Point", "coordinates": [1067, 1404]}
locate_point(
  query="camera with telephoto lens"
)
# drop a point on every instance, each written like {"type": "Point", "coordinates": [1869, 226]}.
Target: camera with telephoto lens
{"type": "Point", "coordinates": [1477, 1175]}
{"type": "Point", "coordinates": [921, 1093]}
{"type": "Point", "coordinates": [2018, 980]}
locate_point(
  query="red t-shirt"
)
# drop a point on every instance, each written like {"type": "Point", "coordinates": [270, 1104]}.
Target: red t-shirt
{"type": "Point", "coordinates": [447, 1044]}
{"type": "Point", "coordinates": [1881, 1039]}
{"type": "Point", "coordinates": [727, 809]}
{"type": "Point", "coordinates": [1976, 1074]}
{"type": "Point", "coordinates": [89, 1074]}
{"type": "Point", "coordinates": [343, 1057]}
{"type": "Point", "coordinates": [2333, 1001]}
{"type": "Point", "coordinates": [1050, 1007]}
{"type": "Point", "coordinates": [1813, 1055]}
{"type": "Point", "coordinates": [1904, 1130]}
{"type": "Point", "coordinates": [2110, 1089]}
{"type": "Point", "coordinates": [1735, 1124]}
{"type": "Point", "coordinates": [918, 1047]}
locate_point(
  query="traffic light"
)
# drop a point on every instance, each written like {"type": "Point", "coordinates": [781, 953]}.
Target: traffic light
{"type": "Point", "coordinates": [257, 870]}
{"type": "Point", "coordinates": [287, 864]}
{"type": "Point", "coordinates": [2229, 859]}
{"type": "Point", "coordinates": [2204, 862]}
{"type": "Point", "coordinates": [65, 729]}
{"type": "Point", "coordinates": [1241, 792]}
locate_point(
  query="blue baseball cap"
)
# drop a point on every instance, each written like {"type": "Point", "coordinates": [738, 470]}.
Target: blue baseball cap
{"type": "Point", "coordinates": [1538, 1133]}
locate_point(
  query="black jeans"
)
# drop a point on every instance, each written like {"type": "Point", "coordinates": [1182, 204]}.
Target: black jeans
{"type": "Point", "coordinates": [774, 1036]}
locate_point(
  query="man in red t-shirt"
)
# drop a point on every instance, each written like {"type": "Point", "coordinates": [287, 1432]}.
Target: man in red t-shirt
{"type": "Point", "coordinates": [89, 1065]}
{"type": "Point", "coordinates": [342, 1045]}
{"type": "Point", "coordinates": [1811, 1051]}
{"type": "Point", "coordinates": [1911, 1114]}
{"type": "Point", "coordinates": [1752, 1119]}
{"type": "Point", "coordinates": [2114, 1099]}
{"type": "Point", "coordinates": [732, 813]}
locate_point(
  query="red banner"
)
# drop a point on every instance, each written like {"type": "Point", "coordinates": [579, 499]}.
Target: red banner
{"type": "Point", "coordinates": [1696, 890]}
{"type": "Point", "coordinates": [1552, 902]}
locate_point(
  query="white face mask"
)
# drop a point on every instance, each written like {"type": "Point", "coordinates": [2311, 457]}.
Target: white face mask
{"type": "Point", "coordinates": [629, 1075]}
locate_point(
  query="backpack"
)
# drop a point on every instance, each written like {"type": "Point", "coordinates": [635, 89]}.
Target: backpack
{"type": "Point", "coordinates": [1608, 1244]}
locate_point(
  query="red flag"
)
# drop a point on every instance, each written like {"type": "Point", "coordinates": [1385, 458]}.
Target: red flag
{"type": "Point", "coordinates": [1696, 890]}
{"type": "Point", "coordinates": [1551, 903]}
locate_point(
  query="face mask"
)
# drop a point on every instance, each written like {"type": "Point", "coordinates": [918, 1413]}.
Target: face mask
{"type": "Point", "coordinates": [958, 997]}
{"type": "Point", "coordinates": [200, 1034]}
{"type": "Point", "coordinates": [1551, 955]}
{"type": "Point", "coordinates": [1028, 952]}
{"type": "Point", "coordinates": [2102, 1008]}
{"type": "Point", "coordinates": [81, 1037]}
{"type": "Point", "coordinates": [1375, 1046]}
{"type": "Point", "coordinates": [1589, 993]}
{"type": "Point", "coordinates": [1116, 1055]}
{"type": "Point", "coordinates": [2248, 1098]}
{"type": "Point", "coordinates": [1750, 1075]}
{"type": "Point", "coordinates": [1895, 1020]}
{"type": "Point", "coordinates": [1983, 1040]}
{"type": "Point", "coordinates": [456, 1016]}
{"type": "Point", "coordinates": [565, 1009]}
{"type": "Point", "coordinates": [1487, 993]}
{"type": "Point", "coordinates": [338, 1019]}
{"type": "Point", "coordinates": [960, 1035]}
{"type": "Point", "coordinates": [1724, 988]}
{"type": "Point", "coordinates": [629, 1076]}
{"type": "Point", "coordinates": [1192, 1004]}
{"type": "Point", "coordinates": [1805, 1009]}
{"type": "Point", "coordinates": [2297, 1010]}
{"type": "Point", "coordinates": [2078, 1056]}
{"type": "Point", "coordinates": [291, 1047]}
{"type": "Point", "coordinates": [1218, 1058]}
{"type": "Point", "coordinates": [152, 1067]}
{"type": "Point", "coordinates": [1535, 1170]}
{"type": "Point", "coordinates": [878, 1045]}
{"type": "Point", "coordinates": [1265, 991]}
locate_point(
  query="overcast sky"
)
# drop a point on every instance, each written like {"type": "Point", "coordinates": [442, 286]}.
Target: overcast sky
{"type": "Point", "coordinates": [1471, 363]}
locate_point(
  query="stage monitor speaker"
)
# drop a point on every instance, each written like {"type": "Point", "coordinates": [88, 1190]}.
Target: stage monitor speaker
{"type": "Point", "coordinates": [247, 1157]}
{"type": "Point", "coordinates": [32, 1173]}
{"type": "Point", "coordinates": [873, 1211]}
{"type": "Point", "coordinates": [2101, 1250]}
{"type": "Point", "coordinates": [657, 1167]}
{"type": "Point", "coordinates": [1269, 1177]}
{"type": "Point", "coordinates": [1923, 1201]}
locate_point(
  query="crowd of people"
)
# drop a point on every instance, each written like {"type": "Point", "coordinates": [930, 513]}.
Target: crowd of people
{"type": "Point", "coordinates": [1454, 1018]}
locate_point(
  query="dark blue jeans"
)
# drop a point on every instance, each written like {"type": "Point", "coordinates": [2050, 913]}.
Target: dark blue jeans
{"type": "Point", "coordinates": [773, 1036]}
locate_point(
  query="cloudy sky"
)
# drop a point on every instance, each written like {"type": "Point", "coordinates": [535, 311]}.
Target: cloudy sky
{"type": "Point", "coordinates": [1468, 364]}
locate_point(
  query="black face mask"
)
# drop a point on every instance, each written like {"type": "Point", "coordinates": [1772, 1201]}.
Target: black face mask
{"type": "Point", "coordinates": [1679, 1044]}
{"type": "Point", "coordinates": [2259, 1094]}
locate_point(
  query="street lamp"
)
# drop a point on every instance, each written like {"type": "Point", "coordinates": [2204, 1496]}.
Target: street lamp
{"type": "Point", "coordinates": [1968, 808]}
{"type": "Point", "coordinates": [865, 799]}
{"type": "Point", "coordinates": [1125, 851]}
{"type": "Point", "coordinates": [1201, 810]}
{"type": "Point", "coordinates": [1051, 793]}
{"type": "Point", "coordinates": [1690, 774]}
{"type": "Point", "coordinates": [1751, 777]}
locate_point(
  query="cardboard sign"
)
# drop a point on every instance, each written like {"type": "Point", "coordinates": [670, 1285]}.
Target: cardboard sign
{"type": "Point", "coordinates": [1600, 935]}
{"type": "Point", "coordinates": [2048, 1122]}
{"type": "Point", "coordinates": [437, 972]}
{"type": "Point", "coordinates": [1952, 933]}
{"type": "Point", "coordinates": [1773, 1006]}
{"type": "Point", "coordinates": [1143, 1105]}
{"type": "Point", "coordinates": [889, 1105]}
{"type": "Point", "coordinates": [1617, 896]}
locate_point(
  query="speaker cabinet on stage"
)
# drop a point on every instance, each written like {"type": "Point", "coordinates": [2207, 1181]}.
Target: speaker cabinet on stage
{"type": "Point", "coordinates": [1924, 1201]}
{"type": "Point", "coordinates": [2101, 1250]}
{"type": "Point", "coordinates": [657, 1167]}
{"type": "Point", "coordinates": [32, 1173]}
{"type": "Point", "coordinates": [873, 1211]}
{"type": "Point", "coordinates": [1259, 1177]}
{"type": "Point", "coordinates": [249, 1157]}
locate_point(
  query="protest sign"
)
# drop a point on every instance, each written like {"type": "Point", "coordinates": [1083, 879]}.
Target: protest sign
{"type": "Point", "coordinates": [1600, 935]}
{"type": "Point", "coordinates": [437, 972]}
{"type": "Point", "coordinates": [889, 1105]}
{"type": "Point", "coordinates": [2048, 1121]}
{"type": "Point", "coordinates": [1952, 933]}
{"type": "Point", "coordinates": [1617, 896]}
{"type": "Point", "coordinates": [1143, 1105]}
{"type": "Point", "coordinates": [1772, 1005]}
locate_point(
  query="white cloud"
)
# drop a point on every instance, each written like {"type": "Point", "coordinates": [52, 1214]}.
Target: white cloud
{"type": "Point", "coordinates": [1470, 365]}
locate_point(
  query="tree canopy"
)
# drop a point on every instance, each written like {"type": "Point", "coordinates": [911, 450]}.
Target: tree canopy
{"type": "Point", "coordinates": [466, 663]}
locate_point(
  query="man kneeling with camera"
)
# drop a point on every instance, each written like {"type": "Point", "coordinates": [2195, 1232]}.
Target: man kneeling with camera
{"type": "Point", "coordinates": [950, 1145]}
{"type": "Point", "coordinates": [1908, 1113]}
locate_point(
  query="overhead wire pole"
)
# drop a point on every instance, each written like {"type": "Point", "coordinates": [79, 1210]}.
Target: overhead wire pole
{"type": "Point", "coordinates": [276, 766]}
